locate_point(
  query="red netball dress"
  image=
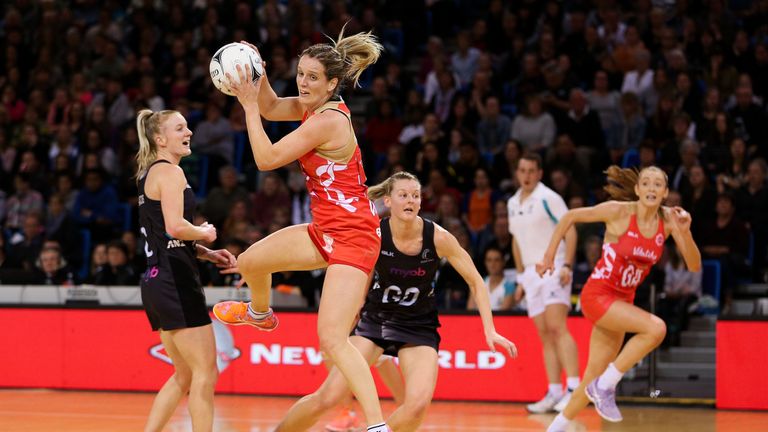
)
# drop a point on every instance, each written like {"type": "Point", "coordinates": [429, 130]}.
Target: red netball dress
{"type": "Point", "coordinates": [621, 269]}
{"type": "Point", "coordinates": [345, 226]}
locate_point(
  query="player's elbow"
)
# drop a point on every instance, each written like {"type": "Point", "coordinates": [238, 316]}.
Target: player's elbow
{"type": "Point", "coordinates": [695, 266]}
{"type": "Point", "coordinates": [174, 230]}
{"type": "Point", "coordinates": [264, 165]}
{"type": "Point", "coordinates": [266, 114]}
{"type": "Point", "coordinates": [567, 218]}
{"type": "Point", "coordinates": [269, 109]}
{"type": "Point", "coordinates": [571, 234]}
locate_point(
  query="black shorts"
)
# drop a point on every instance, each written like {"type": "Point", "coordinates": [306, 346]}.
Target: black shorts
{"type": "Point", "coordinates": [392, 337]}
{"type": "Point", "coordinates": [173, 300]}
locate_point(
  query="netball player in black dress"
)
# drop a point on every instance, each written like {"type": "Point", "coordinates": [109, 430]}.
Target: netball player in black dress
{"type": "Point", "coordinates": [170, 289]}
{"type": "Point", "coordinates": [400, 316]}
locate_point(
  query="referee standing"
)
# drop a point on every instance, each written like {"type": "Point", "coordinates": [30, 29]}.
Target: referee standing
{"type": "Point", "coordinates": [533, 214]}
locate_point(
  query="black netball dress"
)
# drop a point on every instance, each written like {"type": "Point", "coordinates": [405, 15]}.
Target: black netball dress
{"type": "Point", "coordinates": [171, 291]}
{"type": "Point", "coordinates": [400, 308]}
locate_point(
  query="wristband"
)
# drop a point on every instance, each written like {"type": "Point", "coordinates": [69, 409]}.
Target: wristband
{"type": "Point", "coordinates": [519, 278]}
{"type": "Point", "coordinates": [568, 266]}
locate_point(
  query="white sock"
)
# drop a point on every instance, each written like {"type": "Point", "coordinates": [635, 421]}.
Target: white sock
{"type": "Point", "coordinates": [381, 427]}
{"type": "Point", "coordinates": [258, 315]}
{"type": "Point", "coordinates": [556, 390]}
{"type": "Point", "coordinates": [609, 378]}
{"type": "Point", "coordinates": [572, 383]}
{"type": "Point", "coordinates": [560, 423]}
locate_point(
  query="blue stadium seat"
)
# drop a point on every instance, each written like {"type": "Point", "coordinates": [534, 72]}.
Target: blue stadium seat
{"type": "Point", "coordinates": [630, 159]}
{"type": "Point", "coordinates": [273, 131]}
{"type": "Point", "coordinates": [85, 244]}
{"type": "Point", "coordinates": [202, 177]}
{"type": "Point", "coordinates": [746, 277]}
{"type": "Point", "coordinates": [124, 211]}
{"type": "Point", "coordinates": [240, 140]}
{"type": "Point", "coordinates": [366, 79]}
{"type": "Point", "coordinates": [381, 161]}
{"type": "Point", "coordinates": [394, 40]}
{"type": "Point", "coordinates": [710, 283]}
{"type": "Point", "coordinates": [7, 233]}
{"type": "Point", "coordinates": [510, 110]}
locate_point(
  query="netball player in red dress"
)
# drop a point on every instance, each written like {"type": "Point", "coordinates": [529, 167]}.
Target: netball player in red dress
{"type": "Point", "coordinates": [344, 233]}
{"type": "Point", "coordinates": [636, 226]}
{"type": "Point", "coordinates": [400, 316]}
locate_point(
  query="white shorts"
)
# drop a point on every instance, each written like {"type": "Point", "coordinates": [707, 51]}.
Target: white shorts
{"type": "Point", "coordinates": [541, 292]}
{"type": "Point", "coordinates": [383, 359]}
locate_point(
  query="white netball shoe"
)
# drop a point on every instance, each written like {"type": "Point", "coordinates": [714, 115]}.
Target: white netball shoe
{"type": "Point", "coordinates": [543, 406]}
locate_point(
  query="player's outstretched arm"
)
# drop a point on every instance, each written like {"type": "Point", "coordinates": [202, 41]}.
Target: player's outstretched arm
{"type": "Point", "coordinates": [221, 257]}
{"type": "Point", "coordinates": [449, 248]}
{"type": "Point", "coordinates": [602, 212]}
{"type": "Point", "coordinates": [680, 229]}
{"type": "Point", "coordinates": [316, 131]}
{"type": "Point", "coordinates": [274, 108]}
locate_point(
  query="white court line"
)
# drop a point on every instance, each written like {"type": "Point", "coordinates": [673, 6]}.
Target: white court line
{"type": "Point", "coordinates": [254, 421]}
{"type": "Point", "coordinates": [477, 428]}
{"type": "Point", "coordinates": [130, 416]}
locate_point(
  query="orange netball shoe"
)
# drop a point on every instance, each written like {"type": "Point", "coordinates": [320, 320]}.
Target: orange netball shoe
{"type": "Point", "coordinates": [346, 421]}
{"type": "Point", "coordinates": [236, 313]}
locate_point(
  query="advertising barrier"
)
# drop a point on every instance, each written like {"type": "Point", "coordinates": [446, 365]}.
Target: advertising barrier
{"type": "Point", "coordinates": [116, 350]}
{"type": "Point", "coordinates": [741, 373]}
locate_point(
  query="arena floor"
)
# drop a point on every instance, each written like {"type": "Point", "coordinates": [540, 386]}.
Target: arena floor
{"type": "Point", "coordinates": [70, 411]}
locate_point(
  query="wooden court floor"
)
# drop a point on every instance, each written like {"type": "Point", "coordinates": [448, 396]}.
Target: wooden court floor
{"type": "Point", "coordinates": [69, 411]}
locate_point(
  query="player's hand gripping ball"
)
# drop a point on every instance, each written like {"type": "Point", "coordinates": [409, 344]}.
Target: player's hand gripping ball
{"type": "Point", "coordinates": [226, 59]}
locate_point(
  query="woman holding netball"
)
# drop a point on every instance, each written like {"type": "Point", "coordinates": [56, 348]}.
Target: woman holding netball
{"type": "Point", "coordinates": [343, 235]}
{"type": "Point", "coordinates": [636, 226]}
{"type": "Point", "coordinates": [399, 316]}
{"type": "Point", "coordinates": [171, 291]}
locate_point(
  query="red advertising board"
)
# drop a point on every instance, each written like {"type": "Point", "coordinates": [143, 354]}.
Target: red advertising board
{"type": "Point", "coordinates": [741, 372]}
{"type": "Point", "coordinates": [115, 350]}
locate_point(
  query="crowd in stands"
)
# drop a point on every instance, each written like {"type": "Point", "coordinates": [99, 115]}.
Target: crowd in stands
{"type": "Point", "coordinates": [463, 90]}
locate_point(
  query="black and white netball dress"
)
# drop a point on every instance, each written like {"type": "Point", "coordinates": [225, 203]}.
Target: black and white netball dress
{"type": "Point", "coordinates": [171, 291]}
{"type": "Point", "coordinates": [400, 308]}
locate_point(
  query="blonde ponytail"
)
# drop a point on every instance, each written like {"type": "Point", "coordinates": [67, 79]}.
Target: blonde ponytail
{"type": "Point", "coordinates": [385, 188]}
{"type": "Point", "coordinates": [147, 128]}
{"type": "Point", "coordinates": [347, 57]}
{"type": "Point", "coordinates": [358, 51]}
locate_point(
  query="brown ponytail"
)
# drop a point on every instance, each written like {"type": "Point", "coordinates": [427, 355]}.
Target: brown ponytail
{"type": "Point", "coordinates": [621, 183]}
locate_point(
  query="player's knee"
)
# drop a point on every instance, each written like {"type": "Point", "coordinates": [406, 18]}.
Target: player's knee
{"type": "Point", "coordinates": [544, 334]}
{"type": "Point", "coordinates": [417, 406]}
{"type": "Point", "coordinates": [326, 400]}
{"type": "Point", "coordinates": [657, 329]}
{"type": "Point", "coordinates": [212, 374]}
{"type": "Point", "coordinates": [251, 261]}
{"type": "Point", "coordinates": [556, 330]}
{"type": "Point", "coordinates": [205, 376]}
{"type": "Point", "coordinates": [331, 340]}
{"type": "Point", "coordinates": [245, 262]}
{"type": "Point", "coordinates": [183, 380]}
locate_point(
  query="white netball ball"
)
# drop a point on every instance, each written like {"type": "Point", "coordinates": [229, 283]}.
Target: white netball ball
{"type": "Point", "coordinates": [225, 61]}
